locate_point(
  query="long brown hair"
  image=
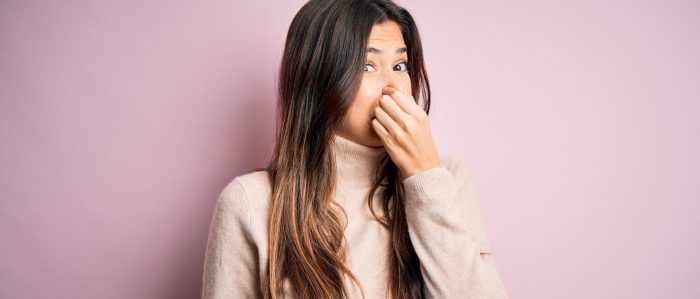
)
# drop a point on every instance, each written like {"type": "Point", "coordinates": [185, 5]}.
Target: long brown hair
{"type": "Point", "coordinates": [321, 71]}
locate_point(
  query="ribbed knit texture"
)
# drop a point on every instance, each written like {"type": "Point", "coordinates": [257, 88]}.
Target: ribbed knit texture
{"type": "Point", "coordinates": [444, 222]}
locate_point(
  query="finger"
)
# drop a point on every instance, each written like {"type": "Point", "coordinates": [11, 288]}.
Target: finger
{"type": "Point", "coordinates": [380, 130]}
{"type": "Point", "coordinates": [387, 122]}
{"type": "Point", "coordinates": [406, 102]}
{"type": "Point", "coordinates": [393, 109]}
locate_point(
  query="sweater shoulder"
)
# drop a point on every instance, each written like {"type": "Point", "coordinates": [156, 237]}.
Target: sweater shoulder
{"type": "Point", "coordinates": [256, 186]}
{"type": "Point", "coordinates": [242, 196]}
{"type": "Point", "coordinates": [254, 180]}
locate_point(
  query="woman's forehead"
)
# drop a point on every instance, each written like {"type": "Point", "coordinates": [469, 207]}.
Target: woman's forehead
{"type": "Point", "coordinates": [386, 38]}
{"type": "Point", "coordinates": [386, 32]}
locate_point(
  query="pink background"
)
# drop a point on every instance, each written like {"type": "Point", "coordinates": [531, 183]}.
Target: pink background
{"type": "Point", "coordinates": [121, 121]}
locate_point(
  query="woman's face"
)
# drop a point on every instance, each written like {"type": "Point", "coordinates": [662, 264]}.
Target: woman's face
{"type": "Point", "coordinates": [385, 65]}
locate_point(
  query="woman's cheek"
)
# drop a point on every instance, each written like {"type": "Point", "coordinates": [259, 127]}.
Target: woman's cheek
{"type": "Point", "coordinates": [370, 90]}
{"type": "Point", "coordinates": [406, 84]}
{"type": "Point", "coordinates": [368, 96]}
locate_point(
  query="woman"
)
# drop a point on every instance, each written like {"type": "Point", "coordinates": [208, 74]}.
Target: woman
{"type": "Point", "coordinates": [355, 201]}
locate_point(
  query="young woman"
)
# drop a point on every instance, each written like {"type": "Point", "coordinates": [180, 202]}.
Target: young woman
{"type": "Point", "coordinates": [356, 202]}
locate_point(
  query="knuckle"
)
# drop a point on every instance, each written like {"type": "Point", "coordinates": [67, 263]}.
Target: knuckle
{"type": "Point", "coordinates": [400, 138]}
{"type": "Point", "coordinates": [411, 125]}
{"type": "Point", "coordinates": [405, 125]}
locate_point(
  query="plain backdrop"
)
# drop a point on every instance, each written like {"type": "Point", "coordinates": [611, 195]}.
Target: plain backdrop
{"type": "Point", "coordinates": [121, 121]}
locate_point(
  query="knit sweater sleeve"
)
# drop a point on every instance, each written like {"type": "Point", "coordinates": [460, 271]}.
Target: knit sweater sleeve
{"type": "Point", "coordinates": [230, 265]}
{"type": "Point", "coordinates": [447, 233]}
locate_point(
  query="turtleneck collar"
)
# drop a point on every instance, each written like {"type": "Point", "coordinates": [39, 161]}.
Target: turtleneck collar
{"type": "Point", "coordinates": [356, 163]}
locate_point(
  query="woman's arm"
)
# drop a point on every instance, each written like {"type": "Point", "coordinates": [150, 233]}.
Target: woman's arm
{"type": "Point", "coordinates": [230, 265]}
{"type": "Point", "coordinates": [447, 232]}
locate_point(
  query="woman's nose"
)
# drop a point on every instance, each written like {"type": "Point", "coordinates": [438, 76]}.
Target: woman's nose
{"type": "Point", "coordinates": [392, 80]}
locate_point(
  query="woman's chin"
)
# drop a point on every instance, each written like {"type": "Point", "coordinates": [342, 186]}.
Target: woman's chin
{"type": "Point", "coordinates": [375, 141]}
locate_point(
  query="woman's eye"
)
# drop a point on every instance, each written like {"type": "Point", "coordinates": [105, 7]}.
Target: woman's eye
{"type": "Point", "coordinates": [369, 68]}
{"type": "Point", "coordinates": [403, 66]}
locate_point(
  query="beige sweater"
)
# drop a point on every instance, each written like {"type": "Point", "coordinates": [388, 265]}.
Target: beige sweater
{"type": "Point", "coordinates": [444, 223]}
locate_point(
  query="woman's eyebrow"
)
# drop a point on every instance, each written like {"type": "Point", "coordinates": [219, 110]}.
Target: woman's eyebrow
{"type": "Point", "coordinates": [375, 50]}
